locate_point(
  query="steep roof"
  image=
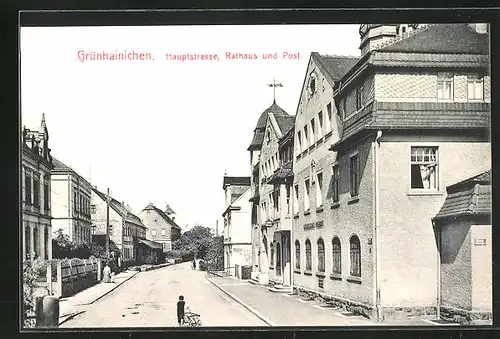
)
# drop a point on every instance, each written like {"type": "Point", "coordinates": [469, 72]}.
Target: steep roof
{"type": "Point", "coordinates": [337, 66]}
{"type": "Point", "coordinates": [441, 38]}
{"type": "Point", "coordinates": [59, 165]}
{"type": "Point", "coordinates": [242, 181]}
{"type": "Point", "coordinates": [120, 208]}
{"type": "Point", "coordinates": [164, 215]}
{"type": "Point", "coordinates": [468, 197]}
{"type": "Point", "coordinates": [169, 210]}
{"type": "Point", "coordinates": [258, 136]}
{"type": "Point", "coordinates": [285, 122]}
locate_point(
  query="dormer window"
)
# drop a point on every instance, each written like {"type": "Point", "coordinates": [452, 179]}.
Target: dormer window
{"type": "Point", "coordinates": [268, 137]}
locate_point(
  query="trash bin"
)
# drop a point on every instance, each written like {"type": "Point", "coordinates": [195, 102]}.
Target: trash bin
{"type": "Point", "coordinates": [246, 271]}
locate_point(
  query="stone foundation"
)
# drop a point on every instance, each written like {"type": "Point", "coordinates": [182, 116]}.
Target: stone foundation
{"type": "Point", "coordinates": [464, 317]}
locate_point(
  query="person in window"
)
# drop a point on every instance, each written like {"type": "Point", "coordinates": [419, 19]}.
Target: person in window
{"type": "Point", "coordinates": [180, 309]}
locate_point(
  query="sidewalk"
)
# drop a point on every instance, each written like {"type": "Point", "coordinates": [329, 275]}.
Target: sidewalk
{"type": "Point", "coordinates": [71, 306]}
{"type": "Point", "coordinates": [283, 309]}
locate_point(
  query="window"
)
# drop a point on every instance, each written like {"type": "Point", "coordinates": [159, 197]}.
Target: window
{"type": "Point", "coordinates": [321, 255]}
{"type": "Point", "coordinates": [355, 255]}
{"type": "Point", "coordinates": [27, 188]}
{"type": "Point", "coordinates": [46, 204]}
{"type": "Point", "coordinates": [344, 107]}
{"type": "Point", "coordinates": [328, 123]}
{"type": "Point", "coordinates": [335, 183]}
{"type": "Point", "coordinates": [306, 138]}
{"type": "Point", "coordinates": [92, 209]}
{"type": "Point", "coordinates": [424, 168]}
{"type": "Point", "coordinates": [308, 256]}
{"type": "Point", "coordinates": [320, 125]}
{"type": "Point", "coordinates": [36, 191]}
{"type": "Point", "coordinates": [354, 175]}
{"type": "Point", "coordinates": [299, 142]}
{"type": "Point", "coordinates": [272, 254]}
{"type": "Point", "coordinates": [297, 254]}
{"type": "Point", "coordinates": [445, 86]}
{"type": "Point", "coordinates": [475, 86]}
{"type": "Point", "coordinates": [296, 200]}
{"type": "Point", "coordinates": [288, 189]}
{"type": "Point", "coordinates": [319, 186]}
{"type": "Point", "coordinates": [307, 204]}
{"type": "Point", "coordinates": [155, 220]}
{"type": "Point", "coordinates": [75, 200]}
{"type": "Point", "coordinates": [268, 137]}
{"type": "Point", "coordinates": [163, 232]}
{"type": "Point", "coordinates": [336, 256]}
{"type": "Point", "coordinates": [313, 133]}
{"type": "Point", "coordinates": [360, 100]}
{"type": "Point", "coordinates": [80, 209]}
{"type": "Point", "coordinates": [153, 233]}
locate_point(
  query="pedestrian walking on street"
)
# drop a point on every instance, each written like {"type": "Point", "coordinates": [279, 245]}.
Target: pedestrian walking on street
{"type": "Point", "coordinates": [194, 264]}
{"type": "Point", "coordinates": [106, 274]}
{"type": "Point", "coordinates": [180, 309]}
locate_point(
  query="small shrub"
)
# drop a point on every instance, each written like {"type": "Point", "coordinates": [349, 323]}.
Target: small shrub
{"type": "Point", "coordinates": [203, 265]}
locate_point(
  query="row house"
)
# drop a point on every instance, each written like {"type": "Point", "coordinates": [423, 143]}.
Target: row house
{"type": "Point", "coordinates": [237, 217]}
{"type": "Point", "coordinates": [124, 226]}
{"type": "Point", "coordinates": [36, 166]}
{"type": "Point", "coordinates": [408, 118]}
{"type": "Point", "coordinates": [161, 228]}
{"type": "Point", "coordinates": [71, 203]}
{"type": "Point", "coordinates": [268, 199]}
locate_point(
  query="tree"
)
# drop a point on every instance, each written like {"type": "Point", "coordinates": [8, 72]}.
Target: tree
{"type": "Point", "coordinates": [196, 241]}
{"type": "Point", "coordinates": [215, 253]}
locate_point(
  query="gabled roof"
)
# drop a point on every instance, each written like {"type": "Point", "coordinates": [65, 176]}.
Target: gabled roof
{"type": "Point", "coordinates": [468, 197]}
{"type": "Point", "coordinates": [441, 38]}
{"type": "Point", "coordinates": [336, 66]}
{"type": "Point", "coordinates": [259, 130]}
{"type": "Point", "coordinates": [152, 207]}
{"type": "Point", "coordinates": [59, 165]}
{"type": "Point", "coordinates": [169, 210]}
{"type": "Point", "coordinates": [285, 123]}
{"type": "Point", "coordinates": [119, 208]}
{"type": "Point", "coordinates": [241, 181]}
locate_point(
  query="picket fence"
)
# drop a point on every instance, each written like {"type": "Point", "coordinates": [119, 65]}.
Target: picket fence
{"type": "Point", "coordinates": [71, 277]}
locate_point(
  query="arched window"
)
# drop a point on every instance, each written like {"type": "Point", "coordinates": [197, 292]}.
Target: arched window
{"type": "Point", "coordinates": [321, 255]}
{"type": "Point", "coordinates": [308, 255]}
{"type": "Point", "coordinates": [336, 258]}
{"type": "Point", "coordinates": [297, 254]}
{"type": "Point", "coordinates": [355, 254]}
{"type": "Point", "coordinates": [272, 254]}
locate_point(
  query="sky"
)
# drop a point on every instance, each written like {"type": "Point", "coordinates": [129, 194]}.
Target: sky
{"type": "Point", "coordinates": [165, 131]}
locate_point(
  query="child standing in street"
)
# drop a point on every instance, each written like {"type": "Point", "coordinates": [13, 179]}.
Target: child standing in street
{"type": "Point", "coordinates": [180, 310]}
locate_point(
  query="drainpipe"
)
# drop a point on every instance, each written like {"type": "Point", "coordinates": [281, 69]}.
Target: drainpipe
{"type": "Point", "coordinates": [376, 146]}
{"type": "Point", "coordinates": [438, 262]}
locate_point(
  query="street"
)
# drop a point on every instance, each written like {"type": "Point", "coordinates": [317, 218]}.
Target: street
{"type": "Point", "coordinates": [149, 300]}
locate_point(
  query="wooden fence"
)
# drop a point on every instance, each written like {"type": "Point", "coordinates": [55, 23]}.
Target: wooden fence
{"type": "Point", "coordinates": [70, 276]}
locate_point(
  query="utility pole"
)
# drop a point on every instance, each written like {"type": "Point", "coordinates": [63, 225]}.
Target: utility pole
{"type": "Point", "coordinates": [107, 225]}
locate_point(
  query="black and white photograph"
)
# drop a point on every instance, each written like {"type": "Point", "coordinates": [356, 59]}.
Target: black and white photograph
{"type": "Point", "coordinates": [327, 175]}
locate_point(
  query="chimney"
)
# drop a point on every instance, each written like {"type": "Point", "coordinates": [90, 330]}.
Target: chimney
{"type": "Point", "coordinates": [373, 35]}
{"type": "Point", "coordinates": [479, 28]}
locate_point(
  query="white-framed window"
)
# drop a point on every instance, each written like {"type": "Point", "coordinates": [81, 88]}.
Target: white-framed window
{"type": "Point", "coordinates": [270, 205]}
{"type": "Point", "coordinates": [313, 131]}
{"type": "Point", "coordinates": [307, 189]}
{"type": "Point", "coordinates": [163, 232]}
{"type": "Point", "coordinates": [320, 124]}
{"type": "Point", "coordinates": [328, 118]}
{"type": "Point", "coordinates": [445, 86]}
{"type": "Point", "coordinates": [354, 175]}
{"type": "Point", "coordinates": [153, 233]}
{"type": "Point", "coordinates": [360, 99]}
{"type": "Point", "coordinates": [355, 256]}
{"type": "Point", "coordinates": [299, 142]}
{"type": "Point", "coordinates": [335, 182]}
{"type": "Point", "coordinates": [475, 87]}
{"type": "Point", "coordinates": [288, 194]}
{"type": "Point", "coordinates": [319, 187]}
{"type": "Point", "coordinates": [296, 199]}
{"type": "Point", "coordinates": [424, 168]}
{"type": "Point", "coordinates": [306, 138]}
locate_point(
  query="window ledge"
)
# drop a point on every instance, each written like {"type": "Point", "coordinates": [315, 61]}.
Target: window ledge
{"type": "Point", "coordinates": [311, 148]}
{"type": "Point", "coordinates": [296, 215]}
{"type": "Point", "coordinates": [336, 276]}
{"type": "Point", "coordinates": [353, 200]}
{"type": "Point", "coordinates": [308, 272]}
{"type": "Point", "coordinates": [424, 192]}
{"type": "Point", "coordinates": [320, 274]}
{"type": "Point", "coordinates": [296, 270]}
{"type": "Point", "coordinates": [336, 204]}
{"type": "Point", "coordinates": [307, 212]}
{"type": "Point", "coordinates": [320, 140]}
{"type": "Point", "coordinates": [329, 134]}
{"type": "Point", "coordinates": [319, 209]}
{"type": "Point", "coordinates": [354, 279]}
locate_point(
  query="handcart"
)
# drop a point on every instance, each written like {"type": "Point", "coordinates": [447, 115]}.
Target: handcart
{"type": "Point", "coordinates": [191, 319]}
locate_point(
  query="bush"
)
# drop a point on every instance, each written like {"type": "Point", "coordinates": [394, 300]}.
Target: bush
{"type": "Point", "coordinates": [203, 265]}
{"type": "Point", "coordinates": [183, 255]}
